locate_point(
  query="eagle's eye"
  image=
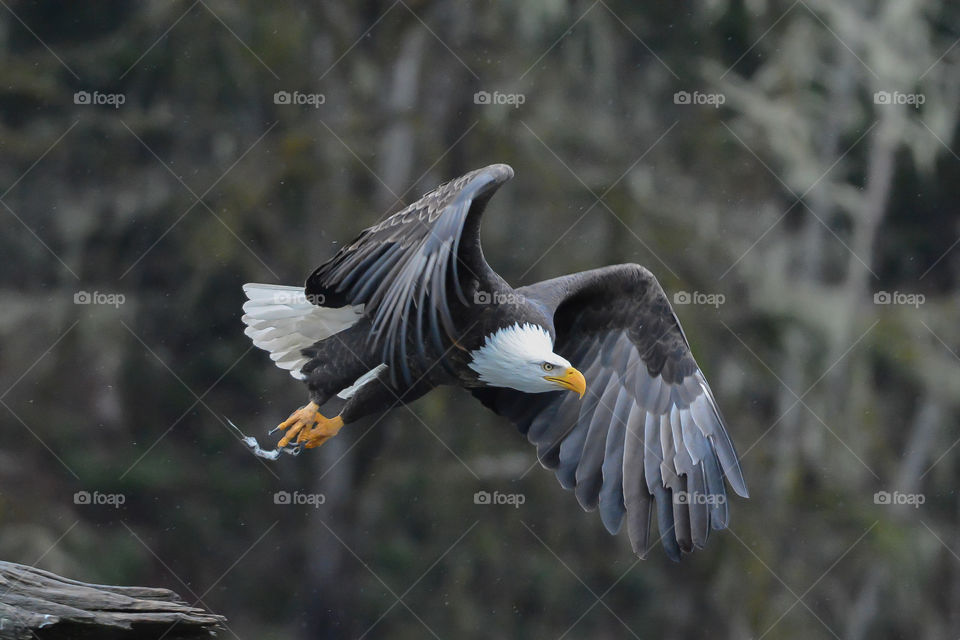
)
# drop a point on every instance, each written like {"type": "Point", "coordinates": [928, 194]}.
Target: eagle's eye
{"type": "Point", "coordinates": [547, 366]}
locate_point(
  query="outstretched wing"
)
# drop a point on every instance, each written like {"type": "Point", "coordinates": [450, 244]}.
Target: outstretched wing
{"type": "Point", "coordinates": [404, 269]}
{"type": "Point", "coordinates": [648, 436]}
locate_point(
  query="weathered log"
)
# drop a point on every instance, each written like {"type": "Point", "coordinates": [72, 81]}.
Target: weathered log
{"type": "Point", "coordinates": [37, 604]}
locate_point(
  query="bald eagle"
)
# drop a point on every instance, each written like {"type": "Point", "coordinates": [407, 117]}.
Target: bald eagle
{"type": "Point", "coordinates": [593, 367]}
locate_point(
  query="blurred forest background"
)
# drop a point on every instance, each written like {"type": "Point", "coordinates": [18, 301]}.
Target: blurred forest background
{"type": "Point", "coordinates": [805, 196]}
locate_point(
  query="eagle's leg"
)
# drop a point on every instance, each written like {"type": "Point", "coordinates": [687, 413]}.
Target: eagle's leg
{"type": "Point", "coordinates": [307, 427]}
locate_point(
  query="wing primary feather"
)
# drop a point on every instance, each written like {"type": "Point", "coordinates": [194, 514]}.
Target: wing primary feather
{"type": "Point", "coordinates": [435, 338]}
{"type": "Point", "coordinates": [708, 420]}
{"type": "Point", "coordinates": [681, 459]}
{"type": "Point", "coordinates": [402, 334]}
{"type": "Point", "coordinates": [588, 474]}
{"type": "Point", "coordinates": [668, 466]}
{"type": "Point", "coordinates": [421, 347]}
{"type": "Point", "coordinates": [368, 283]}
{"type": "Point", "coordinates": [440, 293]}
{"type": "Point", "coordinates": [693, 438]}
{"type": "Point", "coordinates": [359, 267]}
{"type": "Point", "coordinates": [698, 507]}
{"type": "Point", "coordinates": [664, 501]}
{"type": "Point", "coordinates": [719, 514]}
{"type": "Point", "coordinates": [612, 501]}
{"type": "Point", "coordinates": [681, 520]}
{"type": "Point", "coordinates": [572, 447]}
{"type": "Point", "coordinates": [455, 252]}
{"type": "Point", "coordinates": [636, 498]}
{"type": "Point", "coordinates": [652, 452]}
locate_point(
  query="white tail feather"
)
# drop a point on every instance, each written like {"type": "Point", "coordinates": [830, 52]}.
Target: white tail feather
{"type": "Point", "coordinates": [282, 321]}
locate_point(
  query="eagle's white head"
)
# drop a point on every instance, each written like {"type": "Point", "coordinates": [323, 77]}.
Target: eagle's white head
{"type": "Point", "coordinates": [521, 357]}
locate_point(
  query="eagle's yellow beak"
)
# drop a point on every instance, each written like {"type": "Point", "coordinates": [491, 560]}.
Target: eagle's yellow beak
{"type": "Point", "coordinates": [571, 379]}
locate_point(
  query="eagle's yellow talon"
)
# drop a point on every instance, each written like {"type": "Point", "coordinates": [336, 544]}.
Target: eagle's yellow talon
{"type": "Point", "coordinates": [299, 420]}
{"type": "Point", "coordinates": [326, 428]}
{"type": "Point", "coordinates": [307, 426]}
{"type": "Point", "coordinates": [316, 443]}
